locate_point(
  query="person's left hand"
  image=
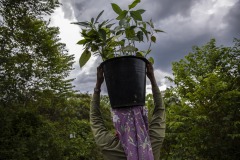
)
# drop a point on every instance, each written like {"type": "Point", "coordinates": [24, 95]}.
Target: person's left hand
{"type": "Point", "coordinates": [150, 71]}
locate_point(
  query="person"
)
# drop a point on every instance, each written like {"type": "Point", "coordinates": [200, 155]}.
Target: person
{"type": "Point", "coordinates": [112, 146]}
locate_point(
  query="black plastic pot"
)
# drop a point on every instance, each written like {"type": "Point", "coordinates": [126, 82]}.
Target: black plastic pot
{"type": "Point", "coordinates": [126, 81]}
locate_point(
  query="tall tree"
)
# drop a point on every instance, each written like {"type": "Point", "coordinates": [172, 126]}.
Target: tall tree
{"type": "Point", "coordinates": [206, 119]}
{"type": "Point", "coordinates": [32, 58]}
{"type": "Point", "coordinates": [34, 88]}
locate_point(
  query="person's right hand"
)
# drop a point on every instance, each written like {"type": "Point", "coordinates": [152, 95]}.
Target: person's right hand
{"type": "Point", "coordinates": [100, 77]}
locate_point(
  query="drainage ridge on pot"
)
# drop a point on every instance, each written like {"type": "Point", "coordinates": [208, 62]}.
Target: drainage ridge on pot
{"type": "Point", "coordinates": [126, 80]}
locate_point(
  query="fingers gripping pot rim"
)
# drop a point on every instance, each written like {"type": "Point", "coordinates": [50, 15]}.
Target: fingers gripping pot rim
{"type": "Point", "coordinates": [126, 80]}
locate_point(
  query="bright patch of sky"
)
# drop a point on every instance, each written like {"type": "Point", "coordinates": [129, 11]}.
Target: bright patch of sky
{"type": "Point", "coordinates": [70, 35]}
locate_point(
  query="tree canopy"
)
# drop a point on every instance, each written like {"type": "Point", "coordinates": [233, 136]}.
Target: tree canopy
{"type": "Point", "coordinates": [204, 106]}
{"type": "Point", "coordinates": [41, 117]}
{"type": "Point", "coordinates": [32, 57]}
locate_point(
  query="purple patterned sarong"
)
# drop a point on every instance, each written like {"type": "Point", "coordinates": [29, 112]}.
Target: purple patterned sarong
{"type": "Point", "coordinates": [131, 124]}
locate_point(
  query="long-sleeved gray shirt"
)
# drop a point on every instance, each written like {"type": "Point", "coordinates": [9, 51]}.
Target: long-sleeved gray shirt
{"type": "Point", "coordinates": [110, 144]}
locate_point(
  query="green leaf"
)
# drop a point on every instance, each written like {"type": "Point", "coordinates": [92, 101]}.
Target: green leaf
{"type": "Point", "coordinates": [112, 31]}
{"type": "Point", "coordinates": [110, 55]}
{"type": "Point", "coordinates": [145, 32]}
{"type": "Point", "coordinates": [110, 25]}
{"type": "Point", "coordinates": [99, 15]}
{"type": "Point", "coordinates": [120, 32]}
{"type": "Point", "coordinates": [103, 34]}
{"type": "Point", "coordinates": [133, 4]}
{"type": "Point", "coordinates": [141, 11]}
{"type": "Point", "coordinates": [116, 8]}
{"type": "Point", "coordinates": [122, 15]}
{"type": "Point", "coordinates": [84, 24]}
{"type": "Point", "coordinates": [129, 49]}
{"type": "Point", "coordinates": [84, 35]}
{"type": "Point", "coordinates": [140, 54]}
{"type": "Point", "coordinates": [140, 35]}
{"type": "Point", "coordinates": [133, 27]}
{"type": "Point", "coordinates": [94, 47]}
{"type": "Point", "coordinates": [153, 39]}
{"type": "Point", "coordinates": [151, 23]}
{"type": "Point", "coordinates": [117, 28]}
{"type": "Point", "coordinates": [129, 32]}
{"type": "Point", "coordinates": [136, 15]}
{"type": "Point", "coordinates": [102, 24]}
{"type": "Point", "coordinates": [144, 25]}
{"type": "Point", "coordinates": [122, 42]}
{"type": "Point", "coordinates": [92, 33]}
{"type": "Point", "coordinates": [110, 39]}
{"type": "Point", "coordinates": [148, 51]}
{"type": "Point", "coordinates": [158, 30]}
{"type": "Point", "coordinates": [135, 38]}
{"type": "Point", "coordinates": [123, 22]}
{"type": "Point", "coordinates": [84, 57]}
{"type": "Point", "coordinates": [151, 60]}
{"type": "Point", "coordinates": [82, 42]}
{"type": "Point", "coordinates": [92, 20]}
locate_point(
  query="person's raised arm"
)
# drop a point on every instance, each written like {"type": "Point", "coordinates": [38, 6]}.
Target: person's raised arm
{"type": "Point", "coordinates": [101, 134]}
{"type": "Point", "coordinates": [157, 124]}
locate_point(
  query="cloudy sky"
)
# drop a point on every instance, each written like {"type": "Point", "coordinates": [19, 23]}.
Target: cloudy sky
{"type": "Point", "coordinates": [186, 23]}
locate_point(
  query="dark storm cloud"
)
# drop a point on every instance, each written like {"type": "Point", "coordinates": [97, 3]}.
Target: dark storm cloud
{"type": "Point", "coordinates": [162, 9]}
{"type": "Point", "coordinates": [185, 32]}
{"type": "Point", "coordinates": [85, 78]}
{"type": "Point", "coordinates": [156, 9]}
{"type": "Point", "coordinates": [233, 20]}
{"type": "Point", "coordinates": [172, 49]}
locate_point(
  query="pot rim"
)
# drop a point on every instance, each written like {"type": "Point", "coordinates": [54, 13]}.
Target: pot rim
{"type": "Point", "coordinates": [123, 57]}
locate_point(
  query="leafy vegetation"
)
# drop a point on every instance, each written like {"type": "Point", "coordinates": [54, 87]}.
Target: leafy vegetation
{"type": "Point", "coordinates": [113, 39]}
{"type": "Point", "coordinates": [32, 58]}
{"type": "Point", "coordinates": [203, 108]}
{"type": "Point", "coordinates": [38, 108]}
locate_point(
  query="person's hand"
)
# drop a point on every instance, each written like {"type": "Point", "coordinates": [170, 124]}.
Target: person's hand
{"type": "Point", "coordinates": [150, 71]}
{"type": "Point", "coordinates": [100, 77]}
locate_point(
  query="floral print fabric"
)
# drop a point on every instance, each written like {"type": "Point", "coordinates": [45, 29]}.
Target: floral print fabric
{"type": "Point", "coordinates": [131, 124]}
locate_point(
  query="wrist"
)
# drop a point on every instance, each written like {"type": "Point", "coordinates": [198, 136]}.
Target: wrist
{"type": "Point", "coordinates": [97, 90]}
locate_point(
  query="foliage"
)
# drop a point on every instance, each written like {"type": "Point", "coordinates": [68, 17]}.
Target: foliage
{"type": "Point", "coordinates": [150, 105]}
{"type": "Point", "coordinates": [203, 109]}
{"type": "Point", "coordinates": [38, 108]}
{"type": "Point", "coordinates": [76, 122]}
{"type": "Point", "coordinates": [113, 39]}
{"type": "Point", "coordinates": [106, 113]}
{"type": "Point", "coordinates": [42, 130]}
{"type": "Point", "coordinates": [32, 58]}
